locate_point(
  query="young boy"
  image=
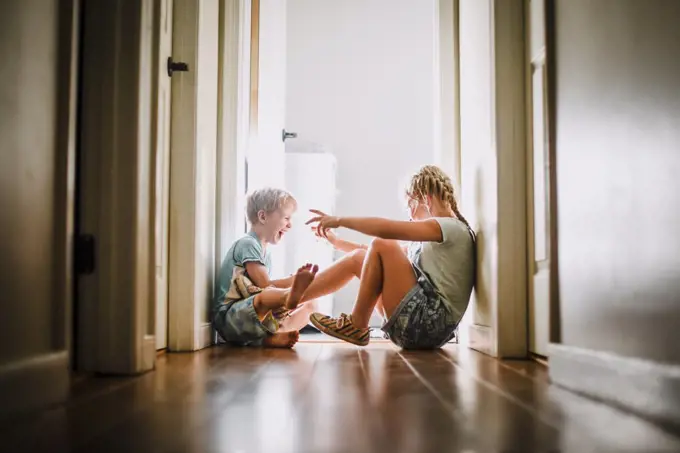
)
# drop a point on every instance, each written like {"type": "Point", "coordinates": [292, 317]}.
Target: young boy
{"type": "Point", "coordinates": [253, 320]}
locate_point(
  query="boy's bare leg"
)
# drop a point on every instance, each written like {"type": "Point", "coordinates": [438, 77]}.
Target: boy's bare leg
{"type": "Point", "coordinates": [282, 340]}
{"type": "Point", "coordinates": [301, 282]}
{"type": "Point", "coordinates": [336, 275]}
{"type": "Point", "coordinates": [269, 299]}
{"type": "Point", "coordinates": [273, 298]}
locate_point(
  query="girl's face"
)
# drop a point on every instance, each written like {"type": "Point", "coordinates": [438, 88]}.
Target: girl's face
{"type": "Point", "coordinates": [418, 210]}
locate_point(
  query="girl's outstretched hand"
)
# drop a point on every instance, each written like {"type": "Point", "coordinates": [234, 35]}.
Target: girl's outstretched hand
{"type": "Point", "coordinates": [324, 223]}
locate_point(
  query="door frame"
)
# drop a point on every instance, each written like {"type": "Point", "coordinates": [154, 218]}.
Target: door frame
{"type": "Point", "coordinates": [548, 61]}
{"type": "Point", "coordinates": [160, 175]}
{"type": "Point", "coordinates": [237, 44]}
{"type": "Point", "coordinates": [114, 186]}
{"type": "Point", "coordinates": [205, 200]}
{"type": "Point", "coordinates": [508, 334]}
{"type": "Point", "coordinates": [65, 176]}
{"type": "Point", "coordinates": [498, 313]}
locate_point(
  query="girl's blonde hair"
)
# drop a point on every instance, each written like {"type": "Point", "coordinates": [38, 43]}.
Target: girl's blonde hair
{"type": "Point", "coordinates": [432, 181]}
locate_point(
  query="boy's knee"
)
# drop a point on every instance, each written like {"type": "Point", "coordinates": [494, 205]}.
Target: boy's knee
{"type": "Point", "coordinates": [258, 305]}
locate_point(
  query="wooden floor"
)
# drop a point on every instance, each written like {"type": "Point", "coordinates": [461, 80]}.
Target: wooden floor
{"type": "Point", "coordinates": [332, 397]}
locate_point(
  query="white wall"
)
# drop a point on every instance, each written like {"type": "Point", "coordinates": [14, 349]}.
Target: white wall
{"type": "Point", "coordinates": [479, 172]}
{"type": "Point", "coordinates": [361, 81]}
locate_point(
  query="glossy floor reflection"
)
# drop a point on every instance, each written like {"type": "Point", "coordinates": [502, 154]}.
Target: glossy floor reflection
{"type": "Point", "coordinates": [332, 397]}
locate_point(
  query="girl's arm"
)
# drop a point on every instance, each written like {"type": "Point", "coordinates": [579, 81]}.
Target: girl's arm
{"type": "Point", "coordinates": [337, 243]}
{"type": "Point", "coordinates": [416, 231]}
{"type": "Point", "coordinates": [346, 246]}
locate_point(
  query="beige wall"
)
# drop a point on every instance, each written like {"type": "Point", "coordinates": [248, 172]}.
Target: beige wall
{"type": "Point", "coordinates": [618, 167]}
{"type": "Point", "coordinates": [36, 147]}
{"type": "Point", "coordinates": [28, 100]}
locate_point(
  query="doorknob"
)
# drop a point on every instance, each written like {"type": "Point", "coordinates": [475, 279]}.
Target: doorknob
{"type": "Point", "coordinates": [285, 135]}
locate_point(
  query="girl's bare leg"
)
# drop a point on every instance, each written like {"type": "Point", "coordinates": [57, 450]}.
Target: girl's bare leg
{"type": "Point", "coordinates": [299, 318]}
{"type": "Point", "coordinates": [326, 282]}
{"type": "Point", "coordinates": [336, 275]}
{"type": "Point", "coordinates": [387, 275]}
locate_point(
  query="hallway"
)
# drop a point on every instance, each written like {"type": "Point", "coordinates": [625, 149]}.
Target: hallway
{"type": "Point", "coordinates": [332, 397]}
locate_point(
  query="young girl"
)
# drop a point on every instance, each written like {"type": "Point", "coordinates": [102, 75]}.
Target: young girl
{"type": "Point", "coordinates": [422, 291]}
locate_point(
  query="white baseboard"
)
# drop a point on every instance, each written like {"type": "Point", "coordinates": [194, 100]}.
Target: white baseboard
{"type": "Point", "coordinates": [480, 338]}
{"type": "Point", "coordinates": [205, 335]}
{"type": "Point", "coordinates": [646, 388]}
{"type": "Point", "coordinates": [149, 352]}
{"type": "Point", "coordinates": [34, 383]}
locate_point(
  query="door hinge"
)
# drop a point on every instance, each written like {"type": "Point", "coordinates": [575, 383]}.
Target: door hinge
{"type": "Point", "coordinates": [176, 66]}
{"type": "Point", "coordinates": [85, 254]}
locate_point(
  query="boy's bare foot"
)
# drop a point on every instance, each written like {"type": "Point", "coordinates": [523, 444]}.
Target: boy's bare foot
{"type": "Point", "coordinates": [282, 340]}
{"type": "Point", "coordinates": [303, 278]}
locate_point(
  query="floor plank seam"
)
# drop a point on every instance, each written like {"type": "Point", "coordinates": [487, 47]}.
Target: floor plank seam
{"type": "Point", "coordinates": [508, 396]}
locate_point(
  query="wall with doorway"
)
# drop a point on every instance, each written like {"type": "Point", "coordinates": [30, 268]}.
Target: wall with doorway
{"type": "Point", "coordinates": [361, 80]}
{"type": "Point", "coordinates": [618, 160]}
{"type": "Point", "coordinates": [33, 123]}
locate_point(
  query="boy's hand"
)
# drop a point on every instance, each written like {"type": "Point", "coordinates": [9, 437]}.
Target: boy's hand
{"type": "Point", "coordinates": [324, 223]}
{"type": "Point", "coordinates": [330, 236]}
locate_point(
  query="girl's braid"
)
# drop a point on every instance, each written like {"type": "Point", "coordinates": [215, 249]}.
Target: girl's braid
{"type": "Point", "coordinates": [431, 180]}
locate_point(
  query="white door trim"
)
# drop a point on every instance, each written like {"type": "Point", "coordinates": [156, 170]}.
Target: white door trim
{"type": "Point", "coordinates": [511, 308]}
{"type": "Point", "coordinates": [502, 249]}
{"type": "Point", "coordinates": [233, 127]}
{"type": "Point", "coordinates": [69, 55]}
{"type": "Point", "coordinates": [543, 318]}
{"type": "Point", "coordinates": [233, 122]}
{"type": "Point", "coordinates": [193, 174]}
{"type": "Point", "coordinates": [161, 171]}
{"type": "Point", "coordinates": [447, 108]}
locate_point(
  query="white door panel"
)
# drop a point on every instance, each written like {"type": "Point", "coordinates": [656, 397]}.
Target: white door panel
{"type": "Point", "coordinates": [162, 172]}
{"type": "Point", "coordinates": [539, 185]}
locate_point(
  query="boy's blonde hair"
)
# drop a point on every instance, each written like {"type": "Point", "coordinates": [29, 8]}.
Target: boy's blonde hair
{"type": "Point", "coordinates": [431, 181]}
{"type": "Point", "coordinates": [268, 199]}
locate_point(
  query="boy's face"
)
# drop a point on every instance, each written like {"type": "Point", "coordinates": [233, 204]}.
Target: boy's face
{"type": "Point", "coordinates": [278, 223]}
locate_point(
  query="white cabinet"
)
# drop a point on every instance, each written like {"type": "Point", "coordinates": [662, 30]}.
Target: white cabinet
{"type": "Point", "coordinates": [310, 176]}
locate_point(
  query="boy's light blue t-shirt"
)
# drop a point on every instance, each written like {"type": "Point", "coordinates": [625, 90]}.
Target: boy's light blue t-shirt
{"type": "Point", "coordinates": [248, 249]}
